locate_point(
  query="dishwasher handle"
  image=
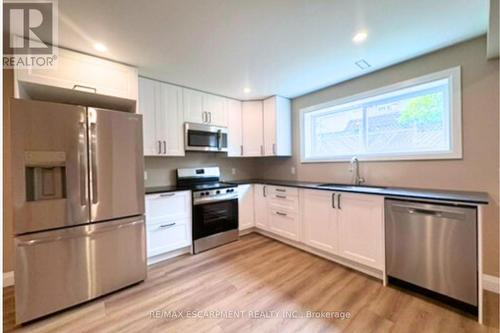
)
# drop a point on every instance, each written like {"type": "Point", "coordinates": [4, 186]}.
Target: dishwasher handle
{"type": "Point", "coordinates": [444, 212]}
{"type": "Point", "coordinates": [425, 212]}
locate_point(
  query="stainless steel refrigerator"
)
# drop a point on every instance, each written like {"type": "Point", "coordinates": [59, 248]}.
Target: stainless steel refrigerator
{"type": "Point", "coordinates": [78, 204]}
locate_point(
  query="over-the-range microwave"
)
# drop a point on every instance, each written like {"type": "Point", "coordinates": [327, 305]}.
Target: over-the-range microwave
{"type": "Point", "coordinates": [202, 137]}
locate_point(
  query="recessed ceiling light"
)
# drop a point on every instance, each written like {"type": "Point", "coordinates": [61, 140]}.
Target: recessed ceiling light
{"type": "Point", "coordinates": [359, 37]}
{"type": "Point", "coordinates": [247, 90]}
{"type": "Point", "coordinates": [100, 47]}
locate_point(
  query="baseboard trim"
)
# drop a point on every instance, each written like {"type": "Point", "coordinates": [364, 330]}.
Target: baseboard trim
{"type": "Point", "coordinates": [8, 279]}
{"type": "Point", "coordinates": [491, 283]}
{"type": "Point", "coordinates": [164, 256]}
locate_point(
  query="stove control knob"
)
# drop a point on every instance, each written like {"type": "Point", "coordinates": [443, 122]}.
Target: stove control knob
{"type": "Point", "coordinates": [217, 192]}
{"type": "Point", "coordinates": [202, 194]}
{"type": "Point", "coordinates": [230, 190]}
{"type": "Point", "coordinates": [207, 193]}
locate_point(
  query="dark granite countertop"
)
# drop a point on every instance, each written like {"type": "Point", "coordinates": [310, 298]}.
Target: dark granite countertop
{"type": "Point", "coordinates": [164, 189]}
{"type": "Point", "coordinates": [399, 192]}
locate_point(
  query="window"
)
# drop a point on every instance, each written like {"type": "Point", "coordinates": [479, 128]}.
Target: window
{"type": "Point", "coordinates": [411, 120]}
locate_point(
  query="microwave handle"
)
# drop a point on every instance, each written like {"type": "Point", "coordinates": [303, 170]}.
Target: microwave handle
{"type": "Point", "coordinates": [219, 139]}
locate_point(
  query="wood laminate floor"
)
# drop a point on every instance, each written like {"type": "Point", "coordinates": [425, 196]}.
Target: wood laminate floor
{"type": "Point", "coordinates": [250, 277]}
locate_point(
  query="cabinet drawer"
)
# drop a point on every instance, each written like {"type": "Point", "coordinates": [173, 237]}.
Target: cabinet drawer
{"type": "Point", "coordinates": [284, 223]}
{"type": "Point", "coordinates": [282, 190]}
{"type": "Point", "coordinates": [162, 238]}
{"type": "Point", "coordinates": [284, 201]}
{"type": "Point", "coordinates": [167, 206]}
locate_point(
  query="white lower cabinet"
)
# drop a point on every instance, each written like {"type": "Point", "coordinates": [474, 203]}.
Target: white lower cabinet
{"type": "Point", "coordinates": [245, 207]}
{"type": "Point", "coordinates": [168, 236]}
{"type": "Point", "coordinates": [320, 220]}
{"type": "Point", "coordinates": [347, 225]}
{"type": "Point", "coordinates": [284, 223]}
{"type": "Point", "coordinates": [361, 228]}
{"type": "Point", "coordinates": [260, 207]}
{"type": "Point", "coordinates": [168, 222]}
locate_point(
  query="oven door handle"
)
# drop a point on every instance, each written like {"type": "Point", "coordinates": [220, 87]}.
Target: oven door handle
{"type": "Point", "coordinates": [201, 201]}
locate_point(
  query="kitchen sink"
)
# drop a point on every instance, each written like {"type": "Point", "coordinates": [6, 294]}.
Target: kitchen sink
{"type": "Point", "coordinates": [354, 187]}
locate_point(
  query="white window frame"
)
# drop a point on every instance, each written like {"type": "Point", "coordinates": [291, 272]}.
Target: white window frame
{"type": "Point", "coordinates": [455, 152]}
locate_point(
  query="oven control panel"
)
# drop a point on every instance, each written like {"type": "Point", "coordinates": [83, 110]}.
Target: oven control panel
{"type": "Point", "coordinates": [207, 196]}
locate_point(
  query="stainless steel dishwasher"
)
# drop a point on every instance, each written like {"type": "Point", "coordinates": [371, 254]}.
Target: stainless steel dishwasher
{"type": "Point", "coordinates": [433, 247]}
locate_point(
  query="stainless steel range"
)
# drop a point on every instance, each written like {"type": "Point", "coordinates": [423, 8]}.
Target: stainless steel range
{"type": "Point", "coordinates": [215, 207]}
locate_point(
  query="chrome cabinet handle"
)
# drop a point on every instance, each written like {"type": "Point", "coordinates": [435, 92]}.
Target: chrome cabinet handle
{"type": "Point", "coordinates": [203, 117]}
{"type": "Point", "coordinates": [209, 117]}
{"type": "Point", "coordinates": [80, 87]}
{"type": "Point", "coordinates": [170, 194]}
{"type": "Point", "coordinates": [280, 213]}
{"type": "Point", "coordinates": [264, 191]}
{"type": "Point", "coordinates": [338, 201]}
{"type": "Point", "coordinates": [280, 190]}
{"type": "Point", "coordinates": [163, 226]}
{"type": "Point", "coordinates": [241, 150]}
{"type": "Point", "coordinates": [164, 147]}
{"type": "Point", "coordinates": [333, 200]}
{"type": "Point", "coordinates": [281, 196]}
{"type": "Point", "coordinates": [159, 147]}
{"type": "Point", "coordinates": [274, 149]}
{"type": "Point", "coordinates": [261, 150]}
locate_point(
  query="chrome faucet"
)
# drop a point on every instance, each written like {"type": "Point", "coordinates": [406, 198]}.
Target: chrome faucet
{"type": "Point", "coordinates": [358, 180]}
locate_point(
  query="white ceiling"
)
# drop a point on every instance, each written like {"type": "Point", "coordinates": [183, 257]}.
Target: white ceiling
{"type": "Point", "coordinates": [282, 47]}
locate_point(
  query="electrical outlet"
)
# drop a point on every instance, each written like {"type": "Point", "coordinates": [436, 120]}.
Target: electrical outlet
{"type": "Point", "coordinates": [292, 170]}
{"type": "Point", "coordinates": [145, 175]}
{"type": "Point", "coordinates": [233, 171]}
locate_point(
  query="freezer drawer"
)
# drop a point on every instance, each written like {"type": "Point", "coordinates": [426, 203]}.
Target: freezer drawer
{"type": "Point", "coordinates": [58, 269]}
{"type": "Point", "coordinates": [433, 247]}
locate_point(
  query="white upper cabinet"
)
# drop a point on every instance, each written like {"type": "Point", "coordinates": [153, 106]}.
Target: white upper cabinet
{"type": "Point", "coordinates": [80, 73]}
{"type": "Point", "coordinates": [361, 227]}
{"type": "Point", "coordinates": [277, 122]}
{"type": "Point", "coordinates": [193, 106]}
{"type": "Point", "coordinates": [253, 136]}
{"type": "Point", "coordinates": [203, 108]}
{"type": "Point", "coordinates": [215, 106]}
{"type": "Point", "coordinates": [320, 220]}
{"type": "Point", "coordinates": [235, 144]}
{"type": "Point", "coordinates": [148, 100]}
{"type": "Point", "coordinates": [161, 106]}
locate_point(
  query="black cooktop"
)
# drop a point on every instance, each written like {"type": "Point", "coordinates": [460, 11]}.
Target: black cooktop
{"type": "Point", "coordinates": [210, 186]}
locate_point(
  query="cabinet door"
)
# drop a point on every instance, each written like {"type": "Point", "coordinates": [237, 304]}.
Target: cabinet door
{"type": "Point", "coordinates": [215, 106]}
{"type": "Point", "coordinates": [245, 207]}
{"type": "Point", "coordinates": [260, 206]}
{"type": "Point", "coordinates": [320, 220]}
{"type": "Point", "coordinates": [85, 73]}
{"type": "Point", "coordinates": [361, 221]}
{"type": "Point", "coordinates": [235, 145]}
{"type": "Point", "coordinates": [193, 106]}
{"type": "Point", "coordinates": [169, 120]}
{"type": "Point", "coordinates": [252, 128]}
{"type": "Point", "coordinates": [148, 93]}
{"type": "Point", "coordinates": [277, 127]}
{"type": "Point", "coordinates": [269, 120]}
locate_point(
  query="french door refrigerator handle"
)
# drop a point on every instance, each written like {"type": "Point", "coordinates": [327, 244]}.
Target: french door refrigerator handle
{"type": "Point", "coordinates": [82, 150]}
{"type": "Point", "coordinates": [93, 156]}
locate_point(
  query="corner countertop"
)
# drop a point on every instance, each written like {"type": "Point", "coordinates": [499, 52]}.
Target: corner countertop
{"type": "Point", "coordinates": [164, 189]}
{"type": "Point", "coordinates": [466, 197]}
